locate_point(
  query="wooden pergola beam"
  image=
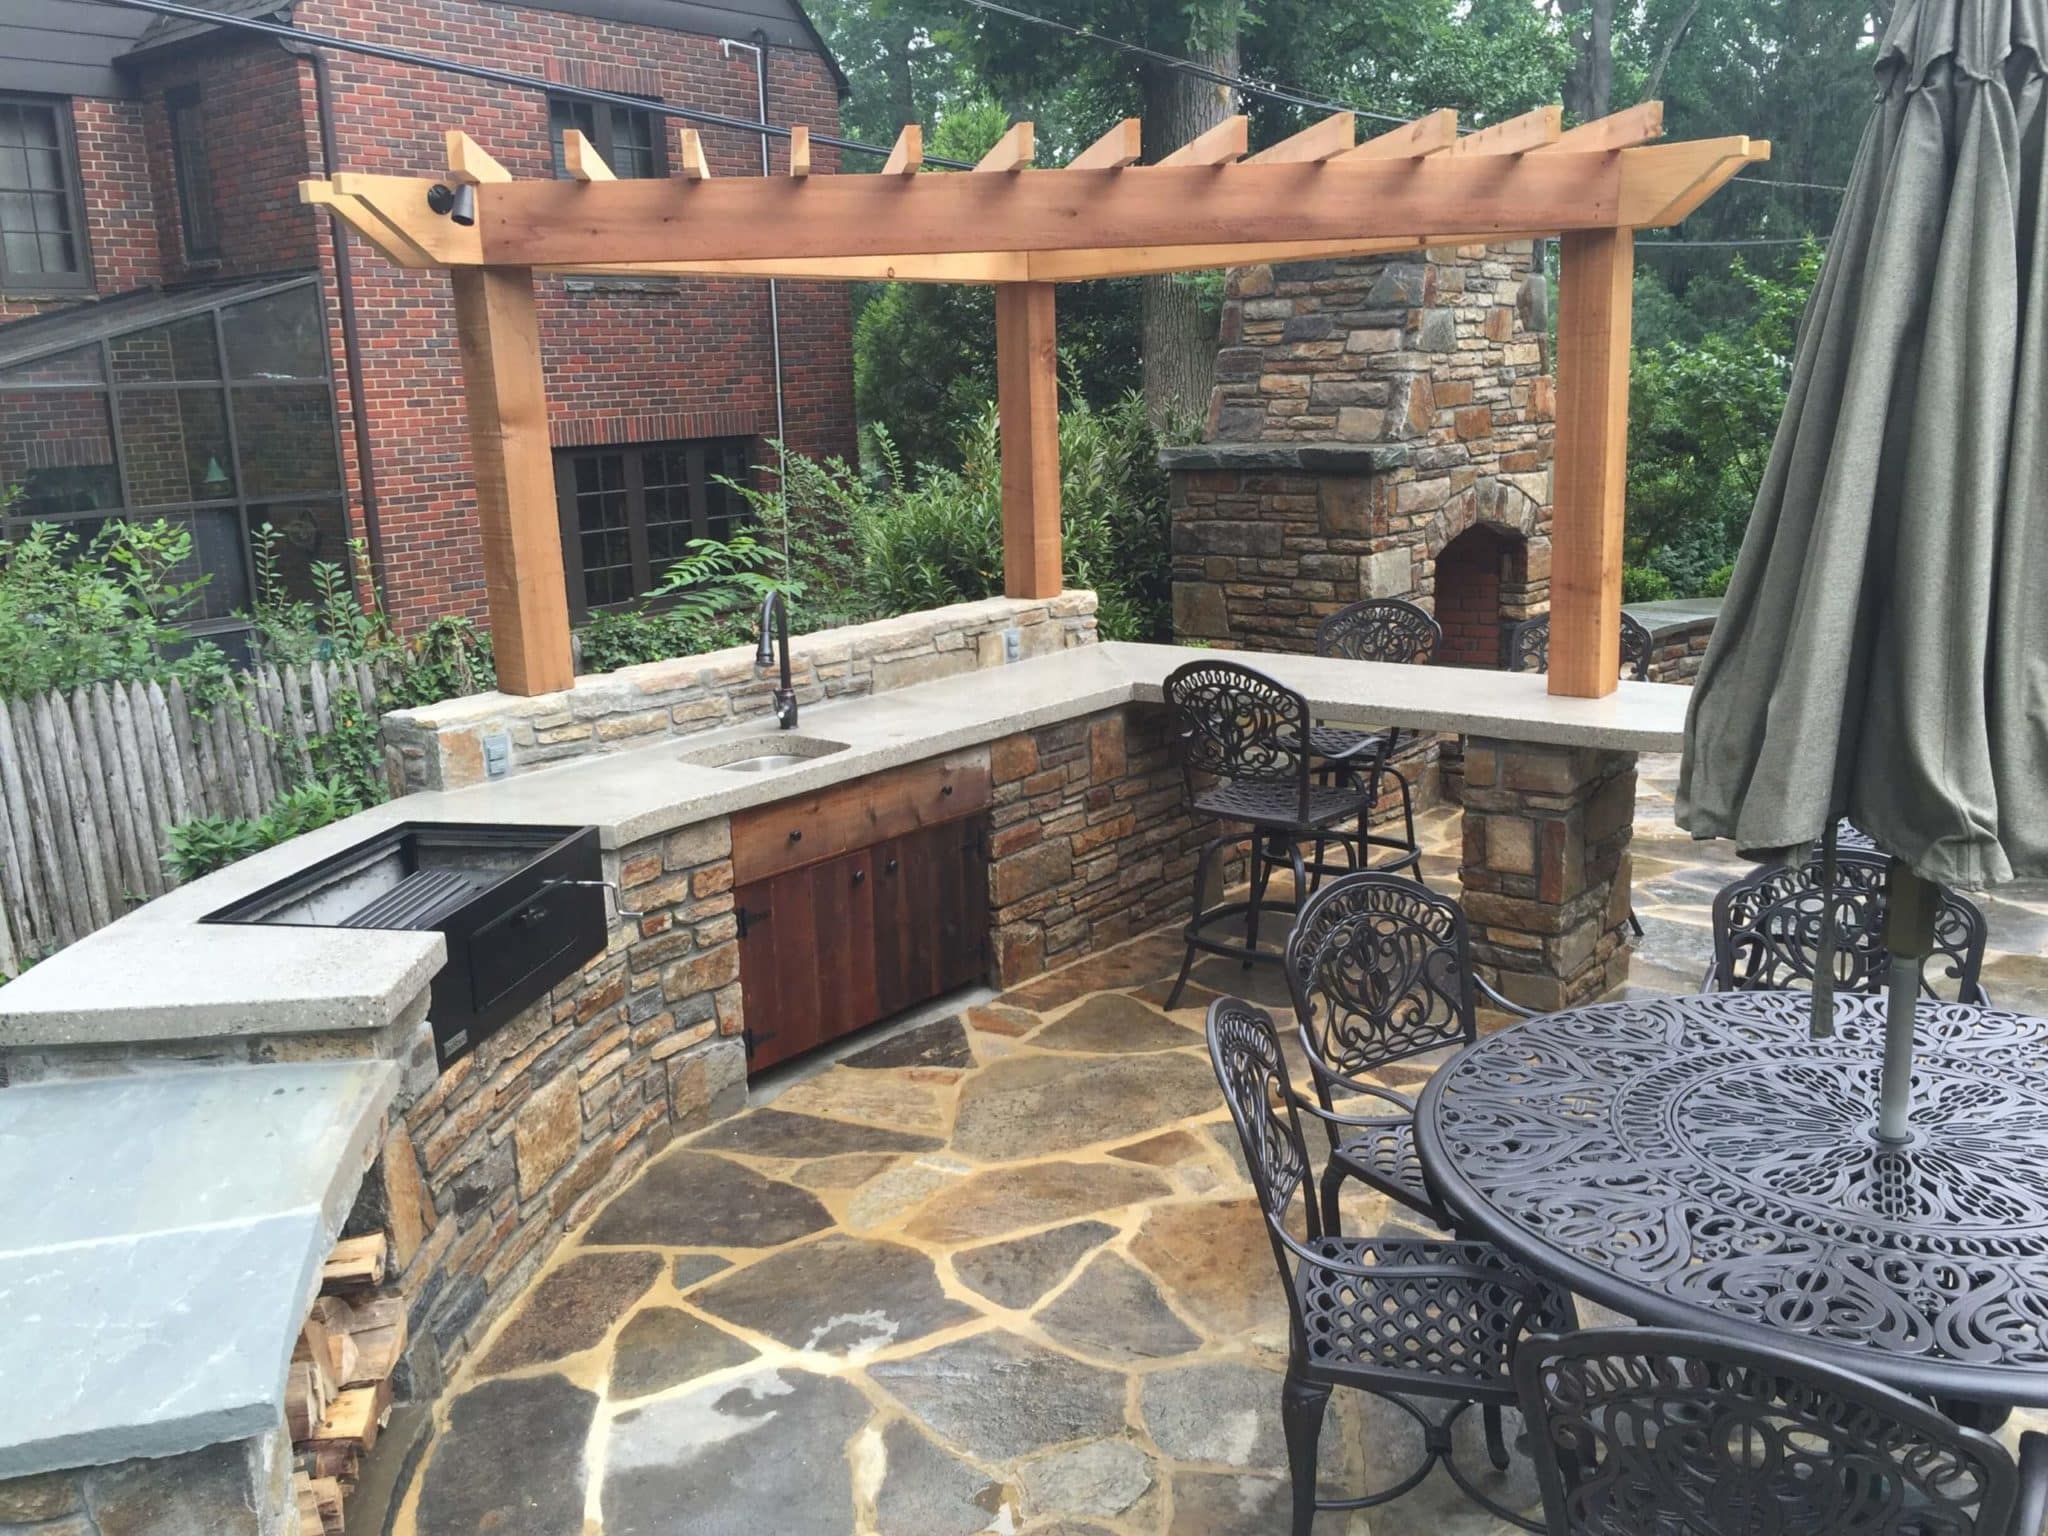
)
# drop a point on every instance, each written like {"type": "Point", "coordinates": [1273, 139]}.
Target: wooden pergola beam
{"type": "Point", "coordinates": [1333, 136]}
{"type": "Point", "coordinates": [1012, 152]}
{"type": "Point", "coordinates": [1429, 135]}
{"type": "Point", "coordinates": [1618, 130]}
{"type": "Point", "coordinates": [468, 162]}
{"type": "Point", "coordinates": [691, 162]}
{"type": "Point", "coordinates": [1514, 135]}
{"type": "Point", "coordinates": [1123, 145]}
{"type": "Point", "coordinates": [1028, 409]}
{"type": "Point", "coordinates": [581, 158]}
{"type": "Point", "coordinates": [908, 152]}
{"type": "Point", "coordinates": [1226, 142]}
{"type": "Point", "coordinates": [799, 150]}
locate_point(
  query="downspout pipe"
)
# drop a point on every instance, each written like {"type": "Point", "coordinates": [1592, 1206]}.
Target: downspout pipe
{"type": "Point", "coordinates": [759, 44]}
{"type": "Point", "coordinates": [351, 338]}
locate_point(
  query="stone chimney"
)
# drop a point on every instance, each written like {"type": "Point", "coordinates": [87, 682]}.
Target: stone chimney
{"type": "Point", "coordinates": [1379, 427]}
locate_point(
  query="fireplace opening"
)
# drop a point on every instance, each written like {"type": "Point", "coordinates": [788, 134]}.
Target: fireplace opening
{"type": "Point", "coordinates": [1477, 574]}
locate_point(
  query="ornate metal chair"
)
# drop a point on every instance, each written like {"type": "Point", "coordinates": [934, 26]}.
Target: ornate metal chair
{"type": "Point", "coordinates": [1239, 737]}
{"type": "Point", "coordinates": [1652, 1432]}
{"type": "Point", "coordinates": [1380, 969]}
{"type": "Point", "coordinates": [1767, 930]}
{"type": "Point", "coordinates": [1377, 629]}
{"type": "Point", "coordinates": [1529, 646]}
{"type": "Point", "coordinates": [1401, 1318]}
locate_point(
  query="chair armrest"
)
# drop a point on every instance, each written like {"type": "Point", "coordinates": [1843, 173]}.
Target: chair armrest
{"type": "Point", "coordinates": [2032, 1509]}
{"type": "Point", "coordinates": [1332, 1117]}
{"type": "Point", "coordinates": [1501, 1002]}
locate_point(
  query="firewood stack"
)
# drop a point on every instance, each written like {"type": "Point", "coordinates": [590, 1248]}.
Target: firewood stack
{"type": "Point", "coordinates": [338, 1391]}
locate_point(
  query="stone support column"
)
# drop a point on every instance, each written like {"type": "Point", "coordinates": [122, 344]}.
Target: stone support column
{"type": "Point", "coordinates": [1546, 868]}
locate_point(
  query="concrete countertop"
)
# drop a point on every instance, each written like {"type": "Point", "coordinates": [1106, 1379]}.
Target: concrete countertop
{"type": "Point", "coordinates": [161, 1236]}
{"type": "Point", "coordinates": [160, 973]}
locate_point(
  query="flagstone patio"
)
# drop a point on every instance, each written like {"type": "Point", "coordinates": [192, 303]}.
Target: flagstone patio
{"type": "Point", "coordinates": [994, 1271]}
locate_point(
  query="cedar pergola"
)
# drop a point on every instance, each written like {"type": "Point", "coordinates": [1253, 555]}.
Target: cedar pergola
{"type": "Point", "coordinates": [1211, 203]}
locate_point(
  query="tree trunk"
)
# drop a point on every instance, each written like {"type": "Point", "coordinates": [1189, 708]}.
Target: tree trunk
{"type": "Point", "coordinates": [1589, 86]}
{"type": "Point", "coordinates": [1177, 335]}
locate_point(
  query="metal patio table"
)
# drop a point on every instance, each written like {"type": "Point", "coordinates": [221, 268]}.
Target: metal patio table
{"type": "Point", "coordinates": [1701, 1162]}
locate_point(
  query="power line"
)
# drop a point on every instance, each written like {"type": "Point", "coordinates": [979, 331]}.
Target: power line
{"type": "Point", "coordinates": [1769, 181]}
{"type": "Point", "coordinates": [508, 77]}
{"type": "Point", "coordinates": [1665, 245]}
{"type": "Point", "coordinates": [1185, 66]}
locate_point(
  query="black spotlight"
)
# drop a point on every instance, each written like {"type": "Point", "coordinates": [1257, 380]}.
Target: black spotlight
{"type": "Point", "coordinates": [458, 203]}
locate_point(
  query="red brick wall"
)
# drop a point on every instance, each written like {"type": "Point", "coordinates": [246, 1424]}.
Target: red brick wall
{"type": "Point", "coordinates": [113, 170]}
{"type": "Point", "coordinates": [625, 361]}
{"type": "Point", "coordinates": [1468, 582]}
{"type": "Point", "coordinates": [260, 143]}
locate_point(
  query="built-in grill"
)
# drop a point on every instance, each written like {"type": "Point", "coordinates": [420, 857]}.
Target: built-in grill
{"type": "Point", "coordinates": [520, 907]}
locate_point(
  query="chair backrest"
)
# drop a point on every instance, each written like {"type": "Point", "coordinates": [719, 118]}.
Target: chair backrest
{"type": "Point", "coordinates": [1235, 725]}
{"type": "Point", "coordinates": [1380, 968]}
{"type": "Point", "coordinates": [1244, 1048]}
{"type": "Point", "coordinates": [1767, 928]}
{"type": "Point", "coordinates": [1380, 629]}
{"type": "Point", "coordinates": [1652, 1431]}
{"type": "Point", "coordinates": [1529, 646]}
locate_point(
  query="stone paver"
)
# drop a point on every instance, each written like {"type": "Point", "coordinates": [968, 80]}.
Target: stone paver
{"type": "Point", "coordinates": [999, 1271]}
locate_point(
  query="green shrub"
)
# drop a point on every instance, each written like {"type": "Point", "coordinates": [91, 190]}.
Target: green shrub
{"type": "Point", "coordinates": [1643, 584]}
{"type": "Point", "coordinates": [206, 843]}
{"type": "Point", "coordinates": [704, 603]}
{"type": "Point", "coordinates": [862, 548]}
{"type": "Point", "coordinates": [1716, 584]}
{"type": "Point", "coordinates": [103, 608]}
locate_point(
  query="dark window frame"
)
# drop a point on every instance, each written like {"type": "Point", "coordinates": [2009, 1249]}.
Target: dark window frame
{"type": "Point", "coordinates": [243, 504]}
{"type": "Point", "coordinates": [634, 488]}
{"type": "Point", "coordinates": [192, 170]}
{"type": "Point", "coordinates": [602, 135]}
{"type": "Point", "coordinates": [36, 284]}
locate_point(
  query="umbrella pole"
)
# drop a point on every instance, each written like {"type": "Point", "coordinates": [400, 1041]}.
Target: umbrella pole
{"type": "Point", "coordinates": [1909, 937]}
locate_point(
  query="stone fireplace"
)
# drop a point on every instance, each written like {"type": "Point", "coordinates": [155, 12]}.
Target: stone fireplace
{"type": "Point", "coordinates": [1379, 427]}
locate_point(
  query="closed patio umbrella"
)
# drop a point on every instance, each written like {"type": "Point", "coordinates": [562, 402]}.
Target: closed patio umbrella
{"type": "Point", "coordinates": [1883, 649]}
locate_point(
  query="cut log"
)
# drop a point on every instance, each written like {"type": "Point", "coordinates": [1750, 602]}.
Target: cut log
{"type": "Point", "coordinates": [354, 1418]}
{"type": "Point", "coordinates": [336, 1321]}
{"type": "Point", "coordinates": [308, 1394]}
{"type": "Point", "coordinates": [356, 1262]}
{"type": "Point", "coordinates": [327, 1496]}
{"type": "Point", "coordinates": [340, 1460]}
{"type": "Point", "coordinates": [379, 1338]}
{"type": "Point", "coordinates": [310, 1518]}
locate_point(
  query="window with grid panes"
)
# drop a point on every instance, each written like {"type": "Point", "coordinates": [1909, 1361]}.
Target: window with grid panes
{"type": "Point", "coordinates": [42, 222]}
{"type": "Point", "coordinates": [628, 139]}
{"type": "Point", "coordinates": [194, 173]}
{"type": "Point", "coordinates": [629, 513]}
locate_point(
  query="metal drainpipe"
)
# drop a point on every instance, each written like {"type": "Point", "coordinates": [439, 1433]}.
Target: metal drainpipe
{"type": "Point", "coordinates": [351, 340]}
{"type": "Point", "coordinates": [759, 48]}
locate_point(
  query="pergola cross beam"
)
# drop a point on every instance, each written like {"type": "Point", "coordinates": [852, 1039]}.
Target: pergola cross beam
{"type": "Point", "coordinates": [1315, 195]}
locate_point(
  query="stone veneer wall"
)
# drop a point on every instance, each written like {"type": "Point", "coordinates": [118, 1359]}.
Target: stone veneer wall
{"type": "Point", "coordinates": [522, 1139]}
{"type": "Point", "coordinates": [236, 1488]}
{"type": "Point", "coordinates": [447, 746]}
{"type": "Point", "coordinates": [1088, 842]}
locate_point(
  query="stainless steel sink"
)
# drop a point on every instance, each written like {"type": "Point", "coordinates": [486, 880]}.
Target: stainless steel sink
{"type": "Point", "coordinates": [764, 753]}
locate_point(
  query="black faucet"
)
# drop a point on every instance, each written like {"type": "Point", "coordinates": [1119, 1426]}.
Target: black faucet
{"type": "Point", "coordinates": [774, 607]}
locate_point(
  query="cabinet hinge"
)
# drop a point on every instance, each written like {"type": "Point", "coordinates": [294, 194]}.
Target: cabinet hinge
{"type": "Point", "coordinates": [749, 920]}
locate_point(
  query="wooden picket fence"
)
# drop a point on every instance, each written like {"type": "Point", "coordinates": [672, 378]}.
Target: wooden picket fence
{"type": "Point", "coordinates": [92, 781]}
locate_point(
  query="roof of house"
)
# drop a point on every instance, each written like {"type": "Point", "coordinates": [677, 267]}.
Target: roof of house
{"type": "Point", "coordinates": [76, 47]}
{"type": "Point", "coordinates": [36, 337]}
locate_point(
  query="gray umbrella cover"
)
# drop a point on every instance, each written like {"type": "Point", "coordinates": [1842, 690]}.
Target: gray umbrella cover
{"type": "Point", "coordinates": [1883, 650]}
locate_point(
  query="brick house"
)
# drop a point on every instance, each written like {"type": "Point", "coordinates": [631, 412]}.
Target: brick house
{"type": "Point", "coordinates": [179, 337]}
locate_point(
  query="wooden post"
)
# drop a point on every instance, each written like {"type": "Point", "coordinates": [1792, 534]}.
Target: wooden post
{"type": "Point", "coordinates": [515, 478]}
{"type": "Point", "coordinates": [1028, 399]}
{"type": "Point", "coordinates": [1595, 290]}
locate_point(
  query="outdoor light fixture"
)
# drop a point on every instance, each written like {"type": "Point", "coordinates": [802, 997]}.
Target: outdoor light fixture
{"type": "Point", "coordinates": [458, 203]}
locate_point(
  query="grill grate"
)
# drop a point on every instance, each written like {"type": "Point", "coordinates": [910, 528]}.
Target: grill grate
{"type": "Point", "coordinates": [418, 901]}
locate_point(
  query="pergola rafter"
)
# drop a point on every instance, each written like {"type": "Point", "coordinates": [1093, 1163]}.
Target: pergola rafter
{"type": "Point", "coordinates": [1318, 194]}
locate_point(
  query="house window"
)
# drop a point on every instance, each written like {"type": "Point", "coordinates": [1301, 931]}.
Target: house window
{"type": "Point", "coordinates": [219, 419]}
{"type": "Point", "coordinates": [194, 173]}
{"type": "Point", "coordinates": [628, 139]}
{"type": "Point", "coordinates": [629, 513]}
{"type": "Point", "coordinates": [42, 223]}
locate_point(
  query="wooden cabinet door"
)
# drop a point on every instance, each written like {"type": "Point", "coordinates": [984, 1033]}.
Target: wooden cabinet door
{"type": "Point", "coordinates": [807, 957]}
{"type": "Point", "coordinates": [931, 914]}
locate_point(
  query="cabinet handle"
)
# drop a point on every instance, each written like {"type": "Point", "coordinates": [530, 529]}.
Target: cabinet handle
{"type": "Point", "coordinates": [946, 790]}
{"type": "Point", "coordinates": [796, 835]}
{"type": "Point", "coordinates": [890, 867]}
{"type": "Point", "coordinates": [859, 875]}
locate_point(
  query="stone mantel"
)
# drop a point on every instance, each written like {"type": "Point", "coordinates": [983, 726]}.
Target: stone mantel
{"type": "Point", "coordinates": [1311, 458]}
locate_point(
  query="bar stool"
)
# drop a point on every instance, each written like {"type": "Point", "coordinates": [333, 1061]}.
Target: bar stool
{"type": "Point", "coordinates": [1378, 629]}
{"type": "Point", "coordinates": [1239, 737]}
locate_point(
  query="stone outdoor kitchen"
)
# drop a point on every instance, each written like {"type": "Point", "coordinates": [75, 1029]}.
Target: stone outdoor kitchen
{"type": "Point", "coordinates": [334, 1172]}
